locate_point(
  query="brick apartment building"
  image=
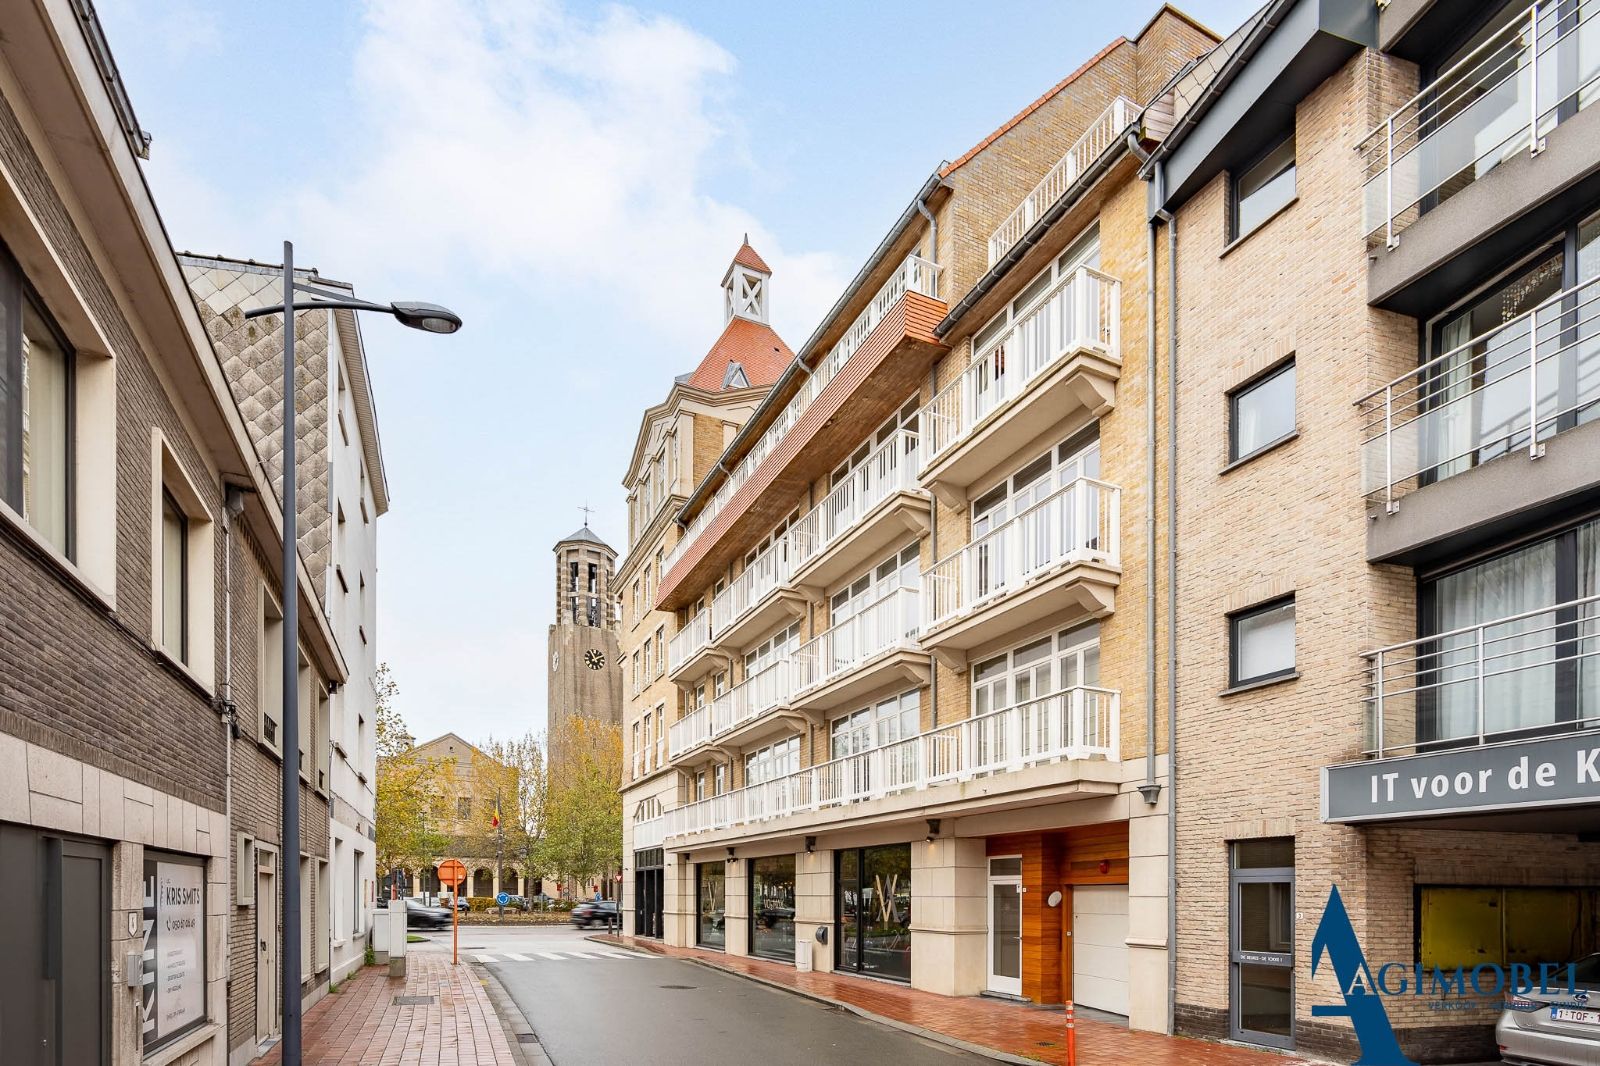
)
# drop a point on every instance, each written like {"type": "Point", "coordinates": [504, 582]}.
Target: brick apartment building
{"type": "Point", "coordinates": [909, 731]}
{"type": "Point", "coordinates": [139, 536]}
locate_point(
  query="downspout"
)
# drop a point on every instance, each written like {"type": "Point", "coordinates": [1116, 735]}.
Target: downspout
{"type": "Point", "coordinates": [232, 508]}
{"type": "Point", "coordinates": [1151, 789]}
{"type": "Point", "coordinates": [933, 505]}
{"type": "Point", "coordinates": [1172, 600]}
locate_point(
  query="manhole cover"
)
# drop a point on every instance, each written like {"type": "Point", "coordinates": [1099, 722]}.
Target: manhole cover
{"type": "Point", "coordinates": [412, 1001]}
{"type": "Point", "coordinates": [527, 1038]}
{"type": "Point", "coordinates": [681, 987]}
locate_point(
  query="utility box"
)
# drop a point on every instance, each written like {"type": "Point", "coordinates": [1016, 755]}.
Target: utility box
{"type": "Point", "coordinates": [397, 939]}
{"type": "Point", "coordinates": [802, 955]}
{"type": "Point", "coordinates": [380, 936]}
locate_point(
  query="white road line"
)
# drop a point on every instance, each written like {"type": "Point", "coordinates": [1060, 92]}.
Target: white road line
{"type": "Point", "coordinates": [582, 955]}
{"type": "Point", "coordinates": [624, 955]}
{"type": "Point", "coordinates": [552, 956]}
{"type": "Point", "coordinates": [514, 957]}
{"type": "Point", "coordinates": [486, 958]}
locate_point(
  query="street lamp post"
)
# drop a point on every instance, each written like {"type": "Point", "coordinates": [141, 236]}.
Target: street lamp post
{"type": "Point", "coordinates": [433, 319]}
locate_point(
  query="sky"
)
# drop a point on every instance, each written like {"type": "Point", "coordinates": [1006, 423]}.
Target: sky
{"type": "Point", "coordinates": [573, 179]}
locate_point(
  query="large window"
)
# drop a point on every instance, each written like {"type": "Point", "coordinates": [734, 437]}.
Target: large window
{"type": "Point", "coordinates": [1261, 412]}
{"type": "Point", "coordinates": [1261, 642]}
{"type": "Point", "coordinates": [882, 723]}
{"type": "Point", "coordinates": [1467, 926]}
{"type": "Point", "coordinates": [773, 761]}
{"type": "Point", "coordinates": [1262, 189]}
{"type": "Point", "coordinates": [1037, 669]}
{"type": "Point", "coordinates": [778, 646]}
{"type": "Point", "coordinates": [772, 907]}
{"type": "Point", "coordinates": [873, 904]}
{"type": "Point", "coordinates": [37, 383]}
{"type": "Point", "coordinates": [711, 893]}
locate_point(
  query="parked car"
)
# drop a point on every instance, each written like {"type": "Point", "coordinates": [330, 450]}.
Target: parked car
{"type": "Point", "coordinates": [421, 916]}
{"type": "Point", "coordinates": [463, 904]}
{"type": "Point", "coordinates": [596, 912]}
{"type": "Point", "coordinates": [1557, 1027]}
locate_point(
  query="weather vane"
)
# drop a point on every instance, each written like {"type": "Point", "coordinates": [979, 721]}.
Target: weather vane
{"type": "Point", "coordinates": [587, 511]}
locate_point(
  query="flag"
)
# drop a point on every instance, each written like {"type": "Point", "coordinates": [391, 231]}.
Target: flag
{"type": "Point", "coordinates": [494, 820]}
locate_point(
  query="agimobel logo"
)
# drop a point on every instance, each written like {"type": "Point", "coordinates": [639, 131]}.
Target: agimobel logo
{"type": "Point", "coordinates": [1363, 1003]}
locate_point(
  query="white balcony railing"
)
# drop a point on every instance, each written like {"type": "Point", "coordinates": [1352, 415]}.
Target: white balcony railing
{"type": "Point", "coordinates": [892, 621]}
{"type": "Point", "coordinates": [890, 468]}
{"type": "Point", "coordinates": [1103, 132]}
{"type": "Point", "coordinates": [689, 640]}
{"type": "Point", "coordinates": [1076, 523]}
{"type": "Point", "coordinates": [914, 274]}
{"type": "Point", "coordinates": [1076, 723]}
{"type": "Point", "coordinates": [1500, 99]}
{"type": "Point", "coordinates": [766, 572]}
{"type": "Point", "coordinates": [1511, 388]}
{"type": "Point", "coordinates": [1082, 312]}
{"type": "Point", "coordinates": [690, 731]}
{"type": "Point", "coordinates": [769, 687]}
{"type": "Point", "coordinates": [1525, 675]}
{"type": "Point", "coordinates": [649, 833]}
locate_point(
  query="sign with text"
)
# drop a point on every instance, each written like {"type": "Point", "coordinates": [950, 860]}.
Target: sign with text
{"type": "Point", "coordinates": [174, 978]}
{"type": "Point", "coordinates": [1549, 772]}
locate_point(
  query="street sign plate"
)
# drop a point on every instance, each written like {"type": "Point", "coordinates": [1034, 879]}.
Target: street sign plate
{"type": "Point", "coordinates": [503, 898]}
{"type": "Point", "coordinates": [452, 873]}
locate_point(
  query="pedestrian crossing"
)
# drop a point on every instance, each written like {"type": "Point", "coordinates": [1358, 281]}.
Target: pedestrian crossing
{"type": "Point", "coordinates": [560, 956]}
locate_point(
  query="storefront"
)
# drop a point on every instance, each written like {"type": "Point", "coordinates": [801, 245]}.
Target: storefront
{"type": "Point", "coordinates": [649, 891]}
{"type": "Point", "coordinates": [711, 899]}
{"type": "Point", "coordinates": [872, 902]}
{"type": "Point", "coordinates": [772, 900]}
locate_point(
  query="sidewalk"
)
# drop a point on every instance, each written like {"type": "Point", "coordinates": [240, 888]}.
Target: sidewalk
{"type": "Point", "coordinates": [991, 1026]}
{"type": "Point", "coordinates": [361, 1025]}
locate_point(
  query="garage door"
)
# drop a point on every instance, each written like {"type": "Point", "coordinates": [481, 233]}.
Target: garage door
{"type": "Point", "coordinates": [1100, 947]}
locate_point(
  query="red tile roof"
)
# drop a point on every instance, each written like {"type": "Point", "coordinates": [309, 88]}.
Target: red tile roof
{"type": "Point", "coordinates": [747, 257]}
{"type": "Point", "coordinates": [1031, 108]}
{"type": "Point", "coordinates": [755, 346]}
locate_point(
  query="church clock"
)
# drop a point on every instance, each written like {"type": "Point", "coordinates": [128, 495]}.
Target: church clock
{"type": "Point", "coordinates": [594, 658]}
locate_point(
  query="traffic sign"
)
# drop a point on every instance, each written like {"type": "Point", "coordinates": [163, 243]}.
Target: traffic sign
{"type": "Point", "coordinates": [503, 898]}
{"type": "Point", "coordinates": [452, 873]}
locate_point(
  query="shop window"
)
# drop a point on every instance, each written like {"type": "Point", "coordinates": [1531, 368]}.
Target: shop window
{"type": "Point", "coordinates": [711, 884]}
{"type": "Point", "coordinates": [1468, 926]}
{"type": "Point", "coordinates": [772, 902]}
{"type": "Point", "coordinates": [873, 897]}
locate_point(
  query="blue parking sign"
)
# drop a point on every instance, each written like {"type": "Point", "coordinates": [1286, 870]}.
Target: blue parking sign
{"type": "Point", "coordinates": [503, 898]}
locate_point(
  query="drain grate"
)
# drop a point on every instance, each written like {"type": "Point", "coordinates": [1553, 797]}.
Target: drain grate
{"type": "Point", "coordinates": [413, 1001]}
{"type": "Point", "coordinates": [679, 987]}
{"type": "Point", "coordinates": [527, 1038]}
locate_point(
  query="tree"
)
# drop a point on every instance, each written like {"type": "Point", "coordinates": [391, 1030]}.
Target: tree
{"type": "Point", "coordinates": [407, 790]}
{"type": "Point", "coordinates": [581, 834]}
{"type": "Point", "coordinates": [512, 773]}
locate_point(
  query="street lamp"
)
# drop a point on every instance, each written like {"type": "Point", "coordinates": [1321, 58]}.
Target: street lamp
{"type": "Point", "coordinates": [433, 319]}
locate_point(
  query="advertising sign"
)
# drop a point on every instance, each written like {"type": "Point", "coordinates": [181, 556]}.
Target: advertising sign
{"type": "Point", "coordinates": [174, 979]}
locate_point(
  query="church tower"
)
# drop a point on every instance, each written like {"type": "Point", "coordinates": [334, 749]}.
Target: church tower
{"type": "Point", "coordinates": [585, 676]}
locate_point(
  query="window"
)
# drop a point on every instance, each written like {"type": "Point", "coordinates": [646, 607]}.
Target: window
{"type": "Point", "coordinates": [661, 650]}
{"type": "Point", "coordinates": [776, 647]}
{"type": "Point", "coordinates": [174, 578]}
{"type": "Point", "coordinates": [1262, 189]}
{"type": "Point", "coordinates": [1038, 669]}
{"type": "Point", "coordinates": [886, 722]}
{"type": "Point", "coordinates": [700, 785]}
{"type": "Point", "coordinates": [773, 761]}
{"type": "Point", "coordinates": [463, 806]}
{"type": "Point", "coordinates": [1262, 642]}
{"type": "Point", "coordinates": [1261, 412]}
{"type": "Point", "coordinates": [357, 897]}
{"type": "Point", "coordinates": [37, 380]}
{"type": "Point", "coordinates": [719, 779]}
{"type": "Point", "coordinates": [271, 677]}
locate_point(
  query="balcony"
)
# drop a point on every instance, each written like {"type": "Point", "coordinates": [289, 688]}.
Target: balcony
{"type": "Point", "coordinates": [690, 653]}
{"type": "Point", "coordinates": [724, 719]}
{"type": "Point", "coordinates": [1058, 363]}
{"type": "Point", "coordinates": [1103, 133]}
{"type": "Point", "coordinates": [759, 599]}
{"type": "Point", "coordinates": [1529, 387]}
{"type": "Point", "coordinates": [865, 653]}
{"type": "Point", "coordinates": [1077, 727]}
{"type": "Point", "coordinates": [1057, 561]}
{"type": "Point", "coordinates": [870, 512]}
{"type": "Point", "coordinates": [1499, 101]}
{"type": "Point", "coordinates": [1465, 721]}
{"type": "Point", "coordinates": [649, 833]}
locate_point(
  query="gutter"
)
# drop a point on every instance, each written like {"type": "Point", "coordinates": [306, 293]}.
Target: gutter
{"type": "Point", "coordinates": [1035, 234]}
{"type": "Point", "coordinates": [747, 431]}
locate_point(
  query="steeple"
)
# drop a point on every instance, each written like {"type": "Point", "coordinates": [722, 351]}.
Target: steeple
{"type": "Point", "coordinates": [745, 286]}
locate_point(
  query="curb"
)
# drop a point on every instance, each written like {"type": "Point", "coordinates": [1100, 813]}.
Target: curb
{"type": "Point", "coordinates": [510, 1017]}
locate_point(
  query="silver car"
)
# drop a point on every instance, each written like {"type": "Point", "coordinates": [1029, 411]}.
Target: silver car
{"type": "Point", "coordinates": [1555, 1028]}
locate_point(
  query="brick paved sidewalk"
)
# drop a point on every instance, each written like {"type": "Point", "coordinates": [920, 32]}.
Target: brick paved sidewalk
{"type": "Point", "coordinates": [989, 1024]}
{"type": "Point", "coordinates": [360, 1025]}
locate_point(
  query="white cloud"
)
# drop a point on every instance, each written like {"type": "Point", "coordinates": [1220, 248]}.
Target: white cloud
{"type": "Point", "coordinates": [568, 151]}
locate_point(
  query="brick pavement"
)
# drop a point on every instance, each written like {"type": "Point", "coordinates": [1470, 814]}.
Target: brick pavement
{"type": "Point", "coordinates": [1014, 1029]}
{"type": "Point", "coordinates": [360, 1025]}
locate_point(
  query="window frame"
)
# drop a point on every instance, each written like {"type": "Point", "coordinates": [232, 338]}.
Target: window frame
{"type": "Point", "coordinates": [169, 503]}
{"type": "Point", "coordinates": [1234, 647]}
{"type": "Point", "coordinates": [1237, 177]}
{"type": "Point", "coordinates": [1288, 364]}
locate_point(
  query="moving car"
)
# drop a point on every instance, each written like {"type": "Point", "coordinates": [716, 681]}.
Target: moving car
{"type": "Point", "coordinates": [421, 916]}
{"type": "Point", "coordinates": [1559, 1027]}
{"type": "Point", "coordinates": [596, 912]}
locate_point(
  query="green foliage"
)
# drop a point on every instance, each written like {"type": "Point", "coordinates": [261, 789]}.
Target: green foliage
{"type": "Point", "coordinates": [581, 834]}
{"type": "Point", "coordinates": [409, 790]}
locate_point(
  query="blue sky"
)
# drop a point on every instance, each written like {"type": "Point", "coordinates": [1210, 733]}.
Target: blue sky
{"type": "Point", "coordinates": [572, 178]}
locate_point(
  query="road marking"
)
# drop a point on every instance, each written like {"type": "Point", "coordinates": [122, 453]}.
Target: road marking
{"type": "Point", "coordinates": [624, 955]}
{"type": "Point", "coordinates": [552, 956]}
{"type": "Point", "coordinates": [582, 955]}
{"type": "Point", "coordinates": [486, 958]}
{"type": "Point", "coordinates": [514, 957]}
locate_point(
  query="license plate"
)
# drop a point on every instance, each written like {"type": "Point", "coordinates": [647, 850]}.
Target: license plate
{"type": "Point", "coordinates": [1572, 1014]}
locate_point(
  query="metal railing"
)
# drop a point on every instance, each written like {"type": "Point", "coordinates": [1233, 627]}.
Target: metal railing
{"type": "Point", "coordinates": [915, 274]}
{"type": "Point", "coordinates": [1076, 523]}
{"type": "Point", "coordinates": [1103, 132]}
{"type": "Point", "coordinates": [890, 468]}
{"type": "Point", "coordinates": [1075, 723]}
{"type": "Point", "coordinates": [1511, 388]}
{"type": "Point", "coordinates": [892, 621]}
{"type": "Point", "coordinates": [767, 572]}
{"type": "Point", "coordinates": [689, 640]}
{"type": "Point", "coordinates": [1501, 98]}
{"type": "Point", "coordinates": [1081, 312]}
{"type": "Point", "coordinates": [650, 832]}
{"type": "Point", "coordinates": [768, 688]}
{"type": "Point", "coordinates": [1528, 674]}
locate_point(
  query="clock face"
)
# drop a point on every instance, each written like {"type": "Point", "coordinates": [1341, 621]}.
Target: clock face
{"type": "Point", "coordinates": [594, 658]}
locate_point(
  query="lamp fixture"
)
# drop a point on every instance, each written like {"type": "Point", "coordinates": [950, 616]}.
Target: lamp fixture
{"type": "Point", "coordinates": [811, 845]}
{"type": "Point", "coordinates": [933, 829]}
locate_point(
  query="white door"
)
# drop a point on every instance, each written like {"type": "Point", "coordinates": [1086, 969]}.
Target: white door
{"type": "Point", "coordinates": [1005, 925]}
{"type": "Point", "coordinates": [266, 954]}
{"type": "Point", "coordinates": [1100, 947]}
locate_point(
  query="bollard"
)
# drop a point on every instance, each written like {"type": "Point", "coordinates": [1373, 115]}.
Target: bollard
{"type": "Point", "coordinates": [1072, 1037]}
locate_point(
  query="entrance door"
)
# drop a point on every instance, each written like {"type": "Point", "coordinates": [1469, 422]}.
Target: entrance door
{"type": "Point", "coordinates": [267, 949]}
{"type": "Point", "coordinates": [1261, 948]}
{"type": "Point", "coordinates": [1005, 925]}
{"type": "Point", "coordinates": [1100, 947]}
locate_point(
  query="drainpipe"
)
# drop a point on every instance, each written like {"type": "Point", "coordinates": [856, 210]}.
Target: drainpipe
{"type": "Point", "coordinates": [232, 508]}
{"type": "Point", "coordinates": [1172, 599]}
{"type": "Point", "coordinates": [933, 505]}
{"type": "Point", "coordinates": [1150, 790]}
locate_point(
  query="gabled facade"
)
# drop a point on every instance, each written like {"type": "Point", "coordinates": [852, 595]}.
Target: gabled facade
{"type": "Point", "coordinates": [912, 734]}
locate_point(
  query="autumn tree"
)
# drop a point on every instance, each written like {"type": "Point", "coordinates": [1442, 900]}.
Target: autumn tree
{"type": "Point", "coordinates": [407, 790]}
{"type": "Point", "coordinates": [581, 832]}
{"type": "Point", "coordinates": [511, 773]}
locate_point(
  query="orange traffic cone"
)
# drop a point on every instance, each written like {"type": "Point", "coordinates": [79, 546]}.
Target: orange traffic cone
{"type": "Point", "coordinates": [1072, 1037]}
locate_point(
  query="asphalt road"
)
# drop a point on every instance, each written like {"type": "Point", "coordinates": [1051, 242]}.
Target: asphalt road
{"type": "Point", "coordinates": [610, 1011]}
